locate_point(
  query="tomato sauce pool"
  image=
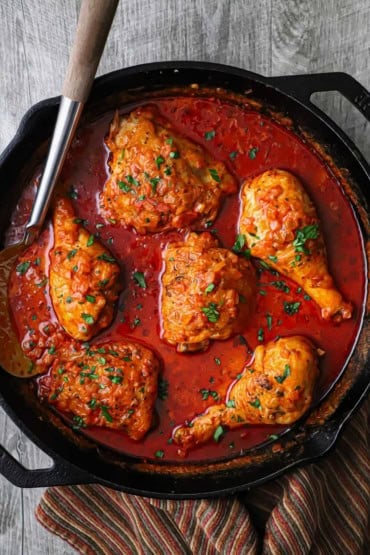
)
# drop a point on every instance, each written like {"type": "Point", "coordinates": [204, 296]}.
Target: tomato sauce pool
{"type": "Point", "coordinates": [249, 143]}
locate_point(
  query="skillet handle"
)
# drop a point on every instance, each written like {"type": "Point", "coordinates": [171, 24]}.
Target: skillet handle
{"type": "Point", "coordinates": [303, 86]}
{"type": "Point", "coordinates": [60, 474]}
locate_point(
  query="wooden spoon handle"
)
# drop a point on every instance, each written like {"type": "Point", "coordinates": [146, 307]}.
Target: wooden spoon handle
{"type": "Point", "coordinates": [93, 26]}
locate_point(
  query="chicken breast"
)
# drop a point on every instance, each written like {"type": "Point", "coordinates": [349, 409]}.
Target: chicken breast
{"type": "Point", "coordinates": [281, 227]}
{"type": "Point", "coordinates": [276, 388]}
{"type": "Point", "coordinates": [113, 385]}
{"type": "Point", "coordinates": [207, 293]}
{"type": "Point", "coordinates": [83, 276]}
{"type": "Point", "coordinates": [159, 180]}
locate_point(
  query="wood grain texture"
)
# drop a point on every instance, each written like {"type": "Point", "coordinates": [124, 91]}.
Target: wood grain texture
{"type": "Point", "coordinates": [271, 37]}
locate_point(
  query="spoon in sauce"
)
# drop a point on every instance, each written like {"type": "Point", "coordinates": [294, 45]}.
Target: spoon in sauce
{"type": "Point", "coordinates": [93, 26]}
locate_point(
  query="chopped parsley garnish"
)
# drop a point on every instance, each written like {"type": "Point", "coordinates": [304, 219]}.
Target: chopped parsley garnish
{"type": "Point", "coordinates": [132, 180]}
{"type": "Point", "coordinates": [256, 403]}
{"type": "Point", "coordinates": [303, 235]}
{"type": "Point", "coordinates": [162, 389]}
{"type": "Point", "coordinates": [72, 193]}
{"type": "Point", "coordinates": [90, 298]}
{"type": "Point", "coordinates": [159, 161]}
{"type": "Point", "coordinates": [273, 258]}
{"type": "Point", "coordinates": [37, 261]}
{"type": "Point", "coordinates": [154, 182]}
{"type": "Point", "coordinates": [78, 422]}
{"type": "Point", "coordinates": [281, 285]}
{"type": "Point", "coordinates": [214, 175]}
{"type": "Point", "coordinates": [239, 243]}
{"type": "Point", "coordinates": [269, 321]}
{"type": "Point", "coordinates": [167, 171]}
{"type": "Point", "coordinates": [209, 135]}
{"type": "Point", "coordinates": [71, 254]}
{"type": "Point", "coordinates": [51, 350]}
{"type": "Point", "coordinates": [230, 404]}
{"type": "Point", "coordinates": [159, 454]}
{"type": "Point", "coordinates": [260, 334]}
{"type": "Point", "coordinates": [103, 282]}
{"type": "Point", "coordinates": [206, 393]}
{"type": "Point", "coordinates": [253, 153]}
{"type": "Point", "coordinates": [136, 322]}
{"type": "Point", "coordinates": [233, 154]}
{"type": "Point", "coordinates": [106, 414]}
{"type": "Point", "coordinates": [107, 258]}
{"type": "Point", "coordinates": [174, 154]}
{"type": "Point", "coordinates": [217, 361]}
{"type": "Point", "coordinates": [124, 186]}
{"type": "Point", "coordinates": [92, 404]}
{"type": "Point", "coordinates": [286, 373]}
{"type": "Point", "coordinates": [273, 436]}
{"type": "Point", "coordinates": [218, 433]}
{"type": "Point", "coordinates": [88, 318]}
{"type": "Point", "coordinates": [169, 141]}
{"type": "Point", "coordinates": [211, 312]}
{"type": "Point", "coordinates": [209, 288]}
{"type": "Point", "coordinates": [141, 197]}
{"type": "Point", "coordinates": [306, 297]}
{"type": "Point", "coordinates": [90, 241]}
{"type": "Point", "coordinates": [291, 308]}
{"type": "Point", "coordinates": [116, 379]}
{"type": "Point", "coordinates": [140, 279]}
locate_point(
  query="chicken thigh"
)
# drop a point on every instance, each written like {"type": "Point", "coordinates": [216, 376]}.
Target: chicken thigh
{"type": "Point", "coordinates": [207, 293]}
{"type": "Point", "coordinates": [83, 276]}
{"type": "Point", "coordinates": [281, 227]}
{"type": "Point", "coordinates": [160, 180]}
{"type": "Point", "coordinates": [112, 385]}
{"type": "Point", "coordinates": [276, 388]}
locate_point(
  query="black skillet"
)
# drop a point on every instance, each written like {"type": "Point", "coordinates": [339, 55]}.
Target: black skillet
{"type": "Point", "coordinates": [77, 461]}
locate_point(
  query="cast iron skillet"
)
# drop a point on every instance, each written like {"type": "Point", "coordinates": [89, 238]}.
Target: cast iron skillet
{"type": "Point", "coordinates": [77, 460]}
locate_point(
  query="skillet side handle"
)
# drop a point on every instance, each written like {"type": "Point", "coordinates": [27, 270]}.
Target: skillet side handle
{"type": "Point", "coordinates": [303, 86]}
{"type": "Point", "coordinates": [60, 474]}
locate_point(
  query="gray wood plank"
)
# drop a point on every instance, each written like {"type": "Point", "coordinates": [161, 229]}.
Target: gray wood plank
{"type": "Point", "coordinates": [269, 37]}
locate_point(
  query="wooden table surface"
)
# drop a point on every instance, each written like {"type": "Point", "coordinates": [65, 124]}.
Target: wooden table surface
{"type": "Point", "coordinates": [270, 37]}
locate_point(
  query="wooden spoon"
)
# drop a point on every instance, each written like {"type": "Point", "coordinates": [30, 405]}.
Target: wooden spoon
{"type": "Point", "coordinates": [93, 26]}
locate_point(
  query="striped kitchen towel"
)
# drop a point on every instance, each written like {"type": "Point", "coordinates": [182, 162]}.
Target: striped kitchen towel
{"type": "Point", "coordinates": [322, 508]}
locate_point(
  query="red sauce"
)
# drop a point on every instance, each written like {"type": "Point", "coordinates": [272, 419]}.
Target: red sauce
{"type": "Point", "coordinates": [249, 143]}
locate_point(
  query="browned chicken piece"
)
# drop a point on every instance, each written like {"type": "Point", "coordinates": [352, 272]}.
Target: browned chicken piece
{"type": "Point", "coordinates": [159, 180]}
{"type": "Point", "coordinates": [207, 293]}
{"type": "Point", "coordinates": [112, 385]}
{"type": "Point", "coordinates": [275, 389]}
{"type": "Point", "coordinates": [83, 276]}
{"type": "Point", "coordinates": [281, 227]}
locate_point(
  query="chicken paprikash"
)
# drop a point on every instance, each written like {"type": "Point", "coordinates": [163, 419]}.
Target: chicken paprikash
{"type": "Point", "coordinates": [83, 276]}
{"type": "Point", "coordinates": [177, 300]}
{"type": "Point", "coordinates": [159, 179]}
{"type": "Point", "coordinates": [112, 385]}
{"type": "Point", "coordinates": [207, 293]}
{"type": "Point", "coordinates": [282, 228]}
{"type": "Point", "coordinates": [276, 388]}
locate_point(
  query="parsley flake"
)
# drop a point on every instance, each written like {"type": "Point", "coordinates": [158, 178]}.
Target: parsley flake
{"type": "Point", "coordinates": [211, 312]}
{"type": "Point", "coordinates": [140, 279]}
{"type": "Point", "coordinates": [286, 373]}
{"type": "Point", "coordinates": [214, 175]}
{"type": "Point", "coordinates": [218, 433]}
{"type": "Point", "coordinates": [209, 135]}
{"type": "Point", "coordinates": [23, 267]}
{"type": "Point", "coordinates": [291, 308]}
{"type": "Point", "coordinates": [88, 318]}
{"type": "Point", "coordinates": [253, 153]}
